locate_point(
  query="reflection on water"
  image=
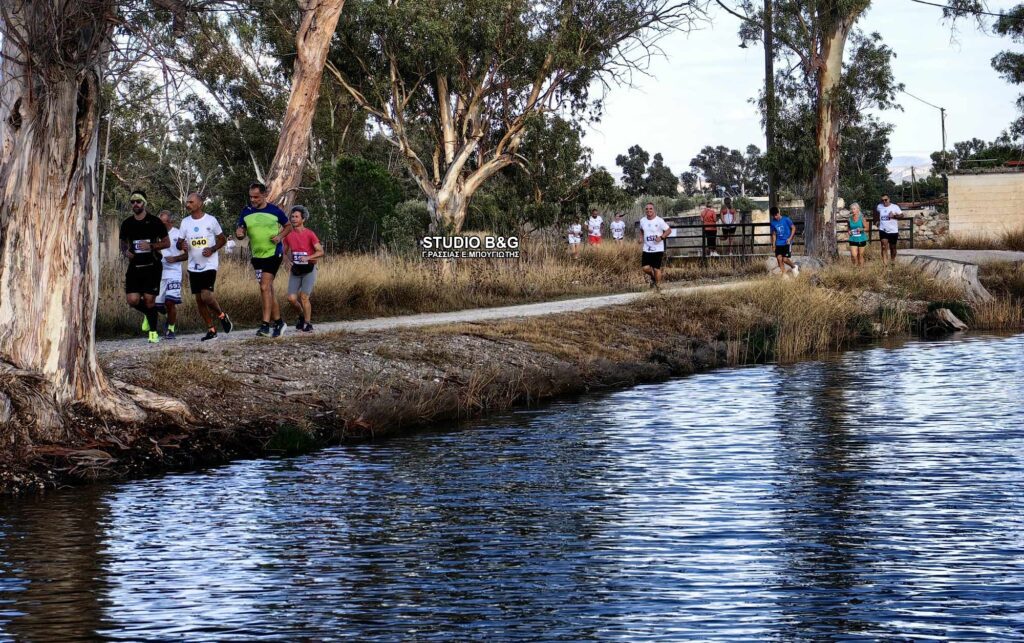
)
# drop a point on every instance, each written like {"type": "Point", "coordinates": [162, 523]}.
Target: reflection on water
{"type": "Point", "coordinates": [876, 495]}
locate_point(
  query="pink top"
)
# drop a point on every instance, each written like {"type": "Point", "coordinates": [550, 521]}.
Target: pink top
{"type": "Point", "coordinates": [301, 243]}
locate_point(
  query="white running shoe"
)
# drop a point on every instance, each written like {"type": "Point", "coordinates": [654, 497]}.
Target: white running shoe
{"type": "Point", "coordinates": [796, 271]}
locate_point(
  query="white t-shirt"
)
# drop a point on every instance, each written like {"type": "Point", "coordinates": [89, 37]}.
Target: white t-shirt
{"type": "Point", "coordinates": [653, 229]}
{"type": "Point", "coordinates": [618, 229]}
{"type": "Point", "coordinates": [594, 226]}
{"type": "Point", "coordinates": [885, 221]}
{"type": "Point", "coordinates": [200, 234]}
{"type": "Point", "coordinates": [575, 232]}
{"type": "Point", "coordinates": [171, 270]}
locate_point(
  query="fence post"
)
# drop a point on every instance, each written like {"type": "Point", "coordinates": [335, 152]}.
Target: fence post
{"type": "Point", "coordinates": [911, 232]}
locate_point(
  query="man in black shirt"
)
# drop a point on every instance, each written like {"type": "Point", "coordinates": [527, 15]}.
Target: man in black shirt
{"type": "Point", "coordinates": [143, 236]}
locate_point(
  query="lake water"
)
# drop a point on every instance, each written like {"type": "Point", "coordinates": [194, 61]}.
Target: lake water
{"type": "Point", "coordinates": [875, 495]}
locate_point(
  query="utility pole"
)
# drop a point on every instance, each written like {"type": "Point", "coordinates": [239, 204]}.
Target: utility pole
{"type": "Point", "coordinates": [945, 161]}
{"type": "Point", "coordinates": [769, 103]}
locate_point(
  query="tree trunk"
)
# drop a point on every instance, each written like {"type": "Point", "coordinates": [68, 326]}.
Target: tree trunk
{"type": "Point", "coordinates": [820, 214]}
{"type": "Point", "coordinates": [448, 210]}
{"type": "Point", "coordinates": [49, 132]}
{"type": "Point", "coordinates": [312, 42]}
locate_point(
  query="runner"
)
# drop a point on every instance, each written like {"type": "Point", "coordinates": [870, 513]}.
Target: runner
{"type": "Point", "coordinates": [142, 236]}
{"type": "Point", "coordinates": [783, 232]}
{"type": "Point", "coordinates": [266, 224]}
{"type": "Point", "coordinates": [618, 227]}
{"type": "Point", "coordinates": [594, 225]}
{"type": "Point", "coordinates": [858, 235]}
{"type": "Point", "coordinates": [575, 236]}
{"type": "Point", "coordinates": [888, 215]}
{"type": "Point", "coordinates": [655, 232]}
{"type": "Point", "coordinates": [202, 237]}
{"type": "Point", "coordinates": [303, 251]}
{"type": "Point", "coordinates": [729, 221]}
{"type": "Point", "coordinates": [709, 217]}
{"type": "Point", "coordinates": [170, 280]}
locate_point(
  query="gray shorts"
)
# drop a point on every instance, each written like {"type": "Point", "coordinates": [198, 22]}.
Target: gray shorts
{"type": "Point", "coordinates": [304, 283]}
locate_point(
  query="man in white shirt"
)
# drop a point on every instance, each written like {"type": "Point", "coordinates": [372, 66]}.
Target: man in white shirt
{"type": "Point", "coordinates": [887, 215]}
{"type": "Point", "coordinates": [202, 237]}
{"type": "Point", "coordinates": [655, 231]}
{"type": "Point", "coordinates": [618, 227]}
{"type": "Point", "coordinates": [594, 225]}
{"type": "Point", "coordinates": [170, 279]}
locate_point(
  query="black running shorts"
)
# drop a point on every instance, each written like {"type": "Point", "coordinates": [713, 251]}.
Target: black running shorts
{"type": "Point", "coordinates": [144, 279]}
{"type": "Point", "coordinates": [267, 264]}
{"type": "Point", "coordinates": [200, 281]}
{"type": "Point", "coordinates": [784, 251]}
{"type": "Point", "coordinates": [652, 259]}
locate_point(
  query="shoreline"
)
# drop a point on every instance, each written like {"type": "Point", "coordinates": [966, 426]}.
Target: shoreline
{"type": "Point", "coordinates": [340, 387]}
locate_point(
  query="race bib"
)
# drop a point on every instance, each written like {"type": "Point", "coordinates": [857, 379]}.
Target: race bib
{"type": "Point", "coordinates": [199, 242]}
{"type": "Point", "coordinates": [173, 285]}
{"type": "Point", "coordinates": [259, 274]}
{"type": "Point", "coordinates": [654, 238]}
{"type": "Point", "coordinates": [300, 257]}
{"type": "Point", "coordinates": [139, 246]}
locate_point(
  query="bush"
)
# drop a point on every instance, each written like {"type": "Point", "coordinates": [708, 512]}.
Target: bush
{"type": "Point", "coordinates": [355, 196]}
{"type": "Point", "coordinates": [683, 204]}
{"type": "Point", "coordinates": [744, 205]}
{"type": "Point", "coordinates": [407, 222]}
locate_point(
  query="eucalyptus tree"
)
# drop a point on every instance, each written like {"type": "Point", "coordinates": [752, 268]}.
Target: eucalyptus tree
{"type": "Point", "coordinates": [469, 76]}
{"type": "Point", "coordinates": [822, 88]}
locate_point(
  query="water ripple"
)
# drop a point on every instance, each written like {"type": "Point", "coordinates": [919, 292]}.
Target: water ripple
{"type": "Point", "coordinates": [873, 496]}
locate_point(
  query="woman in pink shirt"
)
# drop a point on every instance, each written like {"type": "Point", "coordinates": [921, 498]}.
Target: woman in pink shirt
{"type": "Point", "coordinates": [302, 250]}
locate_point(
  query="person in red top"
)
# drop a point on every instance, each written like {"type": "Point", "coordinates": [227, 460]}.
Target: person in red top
{"type": "Point", "coordinates": [710, 219]}
{"type": "Point", "coordinates": [302, 250]}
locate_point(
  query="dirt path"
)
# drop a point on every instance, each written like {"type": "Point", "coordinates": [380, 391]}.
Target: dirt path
{"type": "Point", "coordinates": [190, 340]}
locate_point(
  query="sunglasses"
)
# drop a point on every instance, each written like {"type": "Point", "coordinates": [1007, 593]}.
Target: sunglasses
{"type": "Point", "coordinates": [134, 201]}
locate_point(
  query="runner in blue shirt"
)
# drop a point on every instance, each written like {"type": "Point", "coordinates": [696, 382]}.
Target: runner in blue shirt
{"type": "Point", "coordinates": [783, 232]}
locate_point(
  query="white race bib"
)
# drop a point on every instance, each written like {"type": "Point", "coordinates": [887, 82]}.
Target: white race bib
{"type": "Point", "coordinates": [300, 257]}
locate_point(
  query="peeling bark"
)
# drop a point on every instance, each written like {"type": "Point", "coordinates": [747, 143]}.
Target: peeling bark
{"type": "Point", "coordinates": [49, 137]}
{"type": "Point", "coordinates": [819, 218]}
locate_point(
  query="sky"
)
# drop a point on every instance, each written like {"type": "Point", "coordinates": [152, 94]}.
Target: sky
{"type": "Point", "coordinates": [699, 92]}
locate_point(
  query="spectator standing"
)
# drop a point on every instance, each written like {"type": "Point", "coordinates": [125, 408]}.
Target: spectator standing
{"type": "Point", "coordinates": [729, 221]}
{"type": "Point", "coordinates": [710, 219]}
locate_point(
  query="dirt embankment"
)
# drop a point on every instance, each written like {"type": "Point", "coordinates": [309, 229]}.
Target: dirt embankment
{"type": "Point", "coordinates": [263, 397]}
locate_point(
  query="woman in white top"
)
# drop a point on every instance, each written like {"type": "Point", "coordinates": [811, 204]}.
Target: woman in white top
{"type": "Point", "coordinates": [575, 237]}
{"type": "Point", "coordinates": [729, 221]}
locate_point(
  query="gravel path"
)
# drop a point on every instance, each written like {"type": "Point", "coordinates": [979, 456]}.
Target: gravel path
{"type": "Point", "coordinates": [190, 340]}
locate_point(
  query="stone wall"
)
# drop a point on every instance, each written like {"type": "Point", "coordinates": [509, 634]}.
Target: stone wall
{"type": "Point", "coordinates": [986, 204]}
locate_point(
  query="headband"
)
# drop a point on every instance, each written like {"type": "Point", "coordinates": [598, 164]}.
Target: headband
{"type": "Point", "coordinates": [137, 197]}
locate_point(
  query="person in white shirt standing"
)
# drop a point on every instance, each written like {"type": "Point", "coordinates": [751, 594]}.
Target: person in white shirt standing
{"type": "Point", "coordinates": [575, 237]}
{"type": "Point", "coordinates": [888, 215]}
{"type": "Point", "coordinates": [202, 237]}
{"type": "Point", "coordinates": [655, 231]}
{"type": "Point", "coordinates": [169, 297]}
{"type": "Point", "coordinates": [594, 226]}
{"type": "Point", "coordinates": [618, 227]}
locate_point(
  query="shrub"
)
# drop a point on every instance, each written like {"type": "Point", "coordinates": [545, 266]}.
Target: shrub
{"type": "Point", "coordinates": [406, 223]}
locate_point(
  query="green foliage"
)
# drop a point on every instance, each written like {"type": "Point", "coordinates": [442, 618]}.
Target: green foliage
{"type": "Point", "coordinates": [633, 164]}
{"type": "Point", "coordinates": [660, 180]}
{"type": "Point", "coordinates": [864, 158]}
{"type": "Point", "coordinates": [731, 172]}
{"type": "Point", "coordinates": [407, 223]}
{"type": "Point", "coordinates": [743, 205]}
{"type": "Point", "coordinates": [355, 196]}
{"type": "Point", "coordinates": [683, 204]}
{"type": "Point", "coordinates": [977, 153]}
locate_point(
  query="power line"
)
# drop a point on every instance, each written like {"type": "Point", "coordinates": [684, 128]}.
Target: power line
{"type": "Point", "coordinates": [976, 12]}
{"type": "Point", "coordinates": [918, 98]}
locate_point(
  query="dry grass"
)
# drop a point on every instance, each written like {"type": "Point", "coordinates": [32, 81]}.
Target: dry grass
{"type": "Point", "coordinates": [897, 281]}
{"type": "Point", "coordinates": [1008, 240]}
{"type": "Point", "coordinates": [369, 285]}
{"type": "Point", "coordinates": [1003, 278]}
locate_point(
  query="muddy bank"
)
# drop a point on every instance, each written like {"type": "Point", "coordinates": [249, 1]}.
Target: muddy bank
{"type": "Point", "coordinates": [266, 397]}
